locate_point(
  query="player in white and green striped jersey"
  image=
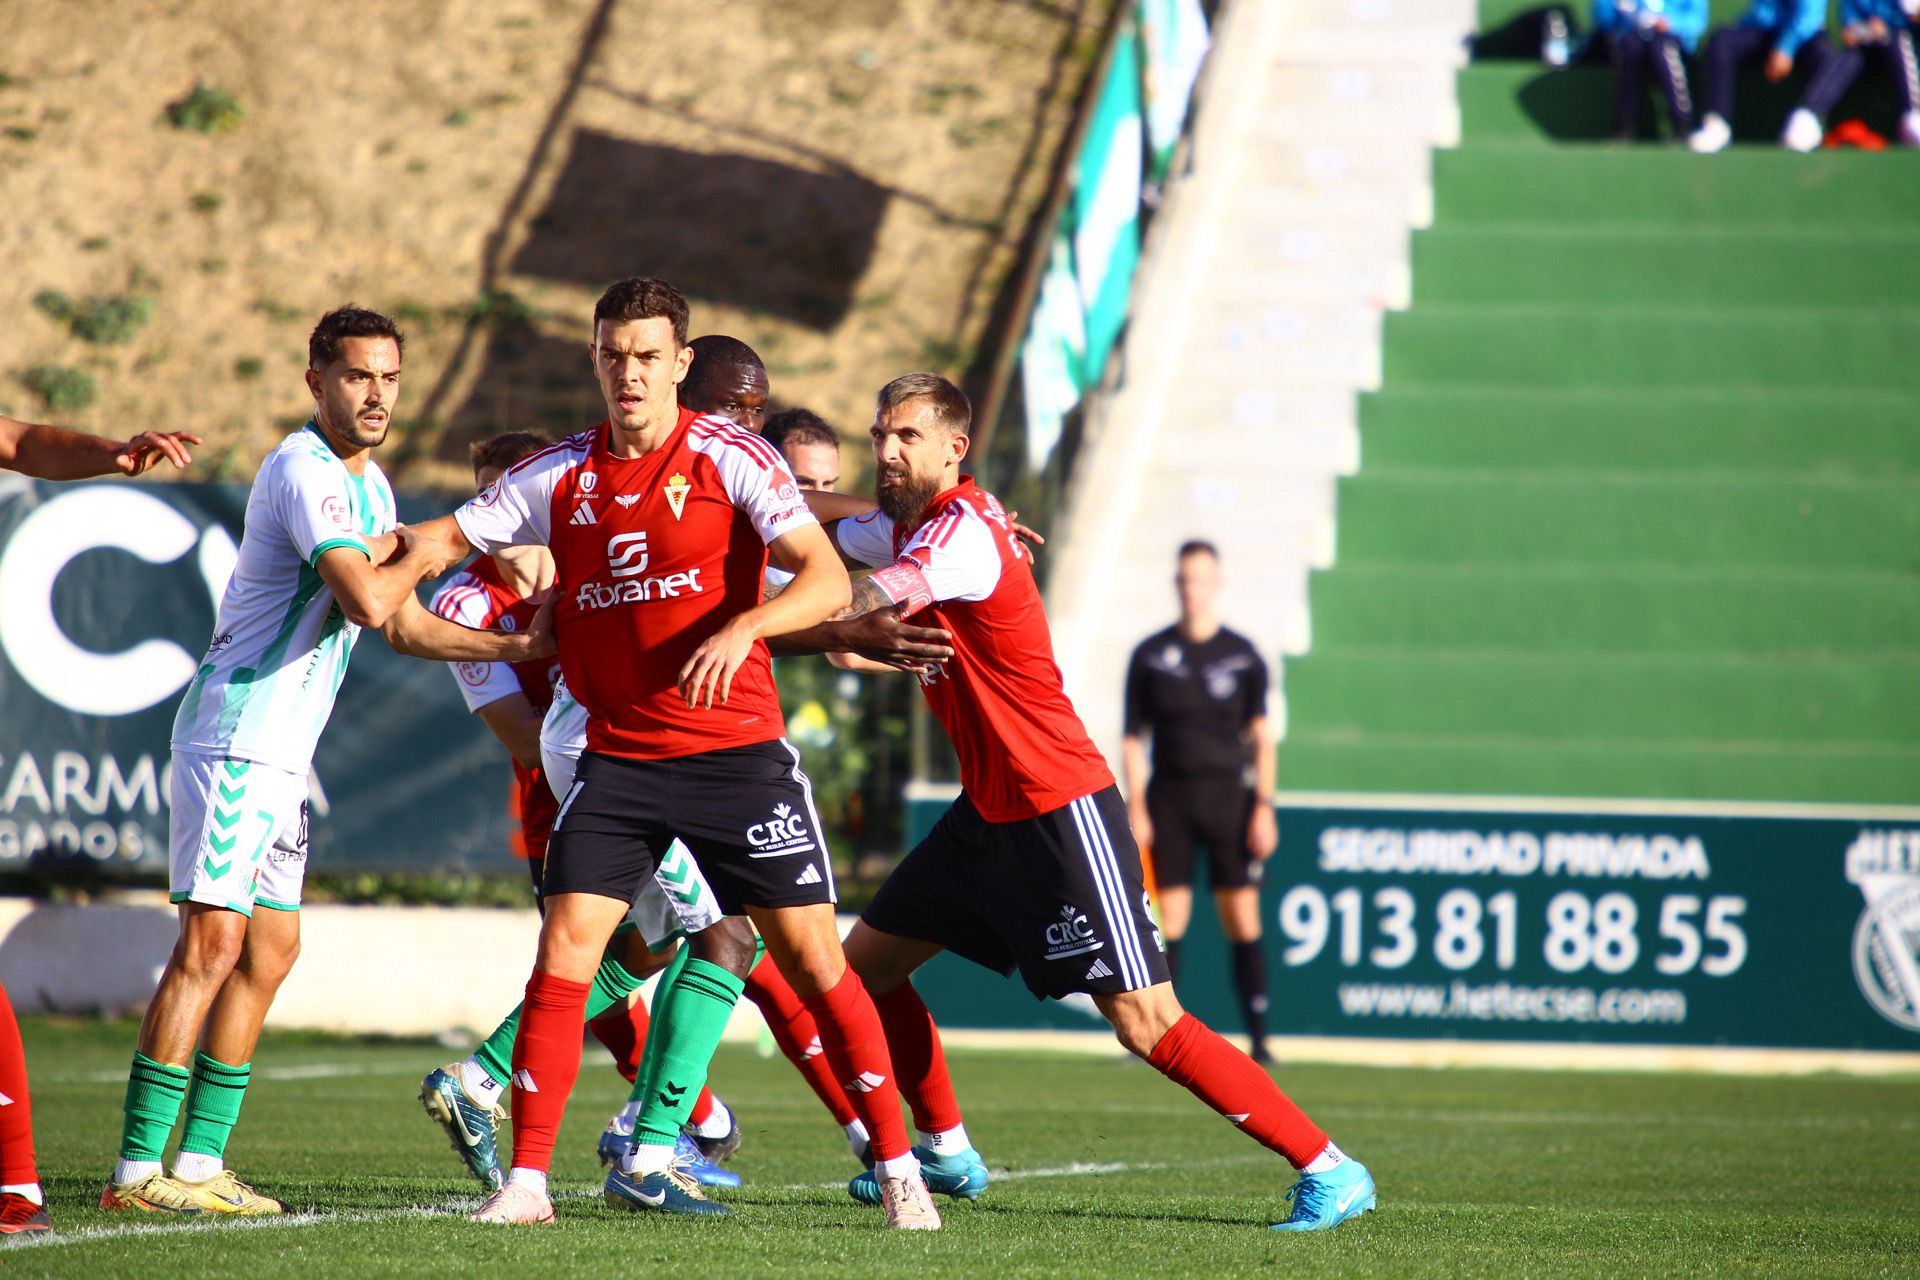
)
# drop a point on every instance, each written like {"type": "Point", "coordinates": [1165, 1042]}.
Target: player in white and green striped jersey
{"type": "Point", "coordinates": [320, 559]}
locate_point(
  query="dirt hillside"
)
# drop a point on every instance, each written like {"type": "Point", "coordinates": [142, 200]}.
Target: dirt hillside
{"type": "Point", "coordinates": [841, 183]}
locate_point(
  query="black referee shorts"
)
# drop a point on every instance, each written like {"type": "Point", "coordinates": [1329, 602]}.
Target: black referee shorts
{"type": "Point", "coordinates": [1058, 897]}
{"type": "Point", "coordinates": [1207, 812]}
{"type": "Point", "coordinates": [746, 813]}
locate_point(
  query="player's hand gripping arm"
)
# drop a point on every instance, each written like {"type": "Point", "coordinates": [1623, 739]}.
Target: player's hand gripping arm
{"type": "Point", "coordinates": [55, 453]}
{"type": "Point", "coordinates": [371, 594]}
{"type": "Point", "coordinates": [874, 628]}
{"type": "Point", "coordinates": [419, 632]}
{"type": "Point", "coordinates": [819, 589]}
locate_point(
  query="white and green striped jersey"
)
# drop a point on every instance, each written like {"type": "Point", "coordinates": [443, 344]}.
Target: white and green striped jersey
{"type": "Point", "coordinates": [280, 642]}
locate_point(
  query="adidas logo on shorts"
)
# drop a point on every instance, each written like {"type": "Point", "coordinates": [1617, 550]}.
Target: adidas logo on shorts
{"type": "Point", "coordinates": [1099, 970]}
{"type": "Point", "coordinates": [810, 876]}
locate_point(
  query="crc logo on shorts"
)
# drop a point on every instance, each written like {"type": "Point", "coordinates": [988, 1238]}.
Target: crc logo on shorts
{"type": "Point", "coordinates": [786, 833]}
{"type": "Point", "coordinates": [1071, 935]}
{"type": "Point", "coordinates": [1885, 864]}
{"type": "Point", "coordinates": [335, 508]}
{"type": "Point", "coordinates": [472, 674]}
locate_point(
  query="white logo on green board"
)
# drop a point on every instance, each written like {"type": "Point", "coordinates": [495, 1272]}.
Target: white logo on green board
{"type": "Point", "coordinates": [1886, 942]}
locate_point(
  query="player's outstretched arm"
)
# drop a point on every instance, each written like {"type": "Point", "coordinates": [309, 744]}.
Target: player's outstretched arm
{"type": "Point", "coordinates": [55, 453]}
{"type": "Point", "coordinates": [418, 632]}
{"type": "Point", "coordinates": [371, 594]}
{"type": "Point", "coordinates": [875, 628]}
{"type": "Point", "coordinates": [819, 590]}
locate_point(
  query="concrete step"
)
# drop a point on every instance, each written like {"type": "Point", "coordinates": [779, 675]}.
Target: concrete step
{"type": "Point", "coordinates": [1381, 284]}
{"type": "Point", "coordinates": [1402, 204]}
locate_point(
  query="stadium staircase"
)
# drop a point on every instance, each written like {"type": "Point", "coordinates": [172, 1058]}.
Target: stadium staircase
{"type": "Point", "coordinates": [1640, 510]}
{"type": "Point", "coordinates": [1256, 322]}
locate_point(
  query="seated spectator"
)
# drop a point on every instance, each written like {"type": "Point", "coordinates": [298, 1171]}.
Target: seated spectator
{"type": "Point", "coordinates": [1786, 33]}
{"type": "Point", "coordinates": [1650, 33]}
{"type": "Point", "coordinates": [1879, 30]}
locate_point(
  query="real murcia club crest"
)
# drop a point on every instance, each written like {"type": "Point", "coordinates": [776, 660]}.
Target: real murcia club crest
{"type": "Point", "coordinates": [677, 491]}
{"type": "Point", "coordinates": [1886, 942]}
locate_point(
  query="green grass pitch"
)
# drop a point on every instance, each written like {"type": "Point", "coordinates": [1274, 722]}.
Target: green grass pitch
{"type": "Point", "coordinates": [1101, 1169]}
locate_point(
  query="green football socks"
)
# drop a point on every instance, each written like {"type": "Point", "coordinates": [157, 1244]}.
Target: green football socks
{"type": "Point", "coordinates": [686, 1029]}
{"type": "Point", "coordinates": [213, 1105]}
{"type": "Point", "coordinates": [155, 1091]}
{"type": "Point", "coordinates": [612, 984]}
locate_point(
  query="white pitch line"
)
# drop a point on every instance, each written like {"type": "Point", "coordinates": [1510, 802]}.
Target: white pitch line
{"type": "Point", "coordinates": [89, 1235]}
{"type": "Point", "coordinates": [459, 1207]}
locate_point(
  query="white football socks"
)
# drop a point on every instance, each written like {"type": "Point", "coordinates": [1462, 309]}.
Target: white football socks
{"type": "Point", "coordinates": [945, 1143]}
{"type": "Point", "coordinates": [127, 1172]}
{"type": "Point", "coordinates": [630, 1114]}
{"type": "Point", "coordinates": [27, 1190]}
{"type": "Point", "coordinates": [906, 1166]}
{"type": "Point", "coordinates": [535, 1179]}
{"type": "Point", "coordinates": [193, 1166]}
{"type": "Point", "coordinates": [480, 1086]}
{"type": "Point", "coordinates": [647, 1159]}
{"type": "Point", "coordinates": [856, 1136]}
{"type": "Point", "coordinates": [718, 1124]}
{"type": "Point", "coordinates": [1331, 1157]}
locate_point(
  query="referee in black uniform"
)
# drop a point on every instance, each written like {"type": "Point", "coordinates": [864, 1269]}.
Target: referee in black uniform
{"type": "Point", "coordinates": [1200, 692]}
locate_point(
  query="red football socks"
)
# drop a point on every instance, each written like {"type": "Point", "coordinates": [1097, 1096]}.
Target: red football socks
{"type": "Point", "coordinates": [702, 1107]}
{"type": "Point", "coordinates": [856, 1049]}
{"type": "Point", "coordinates": [16, 1107]}
{"type": "Point", "coordinates": [794, 1031]}
{"type": "Point", "coordinates": [919, 1062]}
{"type": "Point", "coordinates": [546, 1062]}
{"type": "Point", "coordinates": [1227, 1080]}
{"type": "Point", "coordinates": [623, 1030]}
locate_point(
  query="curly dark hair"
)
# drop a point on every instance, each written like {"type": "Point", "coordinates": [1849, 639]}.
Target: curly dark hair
{"type": "Point", "coordinates": [504, 450]}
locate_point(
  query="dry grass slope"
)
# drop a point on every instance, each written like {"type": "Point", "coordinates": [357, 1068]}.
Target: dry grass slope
{"type": "Point", "coordinates": [842, 183]}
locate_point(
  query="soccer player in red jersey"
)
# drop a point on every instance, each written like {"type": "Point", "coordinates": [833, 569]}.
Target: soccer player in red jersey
{"type": "Point", "coordinates": [1033, 868]}
{"type": "Point", "coordinates": [660, 521]}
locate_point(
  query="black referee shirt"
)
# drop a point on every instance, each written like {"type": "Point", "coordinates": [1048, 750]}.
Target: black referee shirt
{"type": "Point", "coordinates": [1196, 701]}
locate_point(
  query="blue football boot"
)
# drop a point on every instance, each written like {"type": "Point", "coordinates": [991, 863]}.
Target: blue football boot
{"type": "Point", "coordinates": [962, 1175]}
{"type": "Point", "coordinates": [1322, 1201]}
{"type": "Point", "coordinates": [686, 1152]}
{"type": "Point", "coordinates": [668, 1190]}
{"type": "Point", "coordinates": [469, 1125]}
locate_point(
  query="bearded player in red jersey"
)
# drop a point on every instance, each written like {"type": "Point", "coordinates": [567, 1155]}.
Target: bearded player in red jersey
{"type": "Point", "coordinates": [1033, 868]}
{"type": "Point", "coordinates": [660, 521]}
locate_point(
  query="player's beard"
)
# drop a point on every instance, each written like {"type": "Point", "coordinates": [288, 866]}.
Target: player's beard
{"type": "Point", "coordinates": [904, 502]}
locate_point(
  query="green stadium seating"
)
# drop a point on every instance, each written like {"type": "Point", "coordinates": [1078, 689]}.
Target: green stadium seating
{"type": "Point", "coordinates": [1638, 513]}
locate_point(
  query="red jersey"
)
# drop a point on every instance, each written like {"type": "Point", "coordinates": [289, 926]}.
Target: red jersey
{"type": "Point", "coordinates": [653, 555]}
{"type": "Point", "coordinates": [1023, 751]}
{"type": "Point", "coordinates": [477, 597]}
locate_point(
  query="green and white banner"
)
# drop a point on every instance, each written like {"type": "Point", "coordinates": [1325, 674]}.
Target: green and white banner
{"type": "Point", "coordinates": [1761, 926]}
{"type": "Point", "coordinates": [1174, 40]}
{"type": "Point", "coordinates": [107, 598]}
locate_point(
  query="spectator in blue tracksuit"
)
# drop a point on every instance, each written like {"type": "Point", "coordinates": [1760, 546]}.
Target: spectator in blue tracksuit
{"type": "Point", "coordinates": [1870, 30]}
{"type": "Point", "coordinates": [1785, 32]}
{"type": "Point", "coordinates": [1643, 34]}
